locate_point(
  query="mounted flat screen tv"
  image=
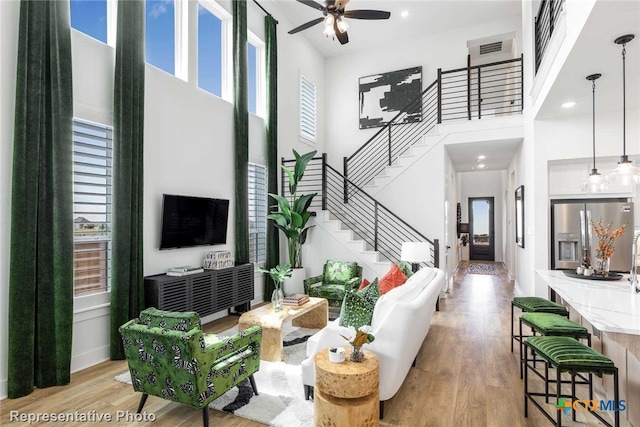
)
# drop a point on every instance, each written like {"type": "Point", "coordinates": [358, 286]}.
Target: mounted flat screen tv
{"type": "Point", "coordinates": [193, 221]}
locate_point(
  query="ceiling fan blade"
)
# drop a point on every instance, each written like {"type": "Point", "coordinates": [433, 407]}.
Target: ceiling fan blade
{"type": "Point", "coordinates": [307, 25]}
{"type": "Point", "coordinates": [343, 38]}
{"type": "Point", "coordinates": [366, 14]}
{"type": "Point", "coordinates": [313, 4]}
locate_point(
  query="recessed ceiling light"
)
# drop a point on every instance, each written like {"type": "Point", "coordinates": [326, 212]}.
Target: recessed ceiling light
{"type": "Point", "coordinates": [569, 104]}
{"type": "Point", "coordinates": [481, 166]}
{"type": "Point", "coordinates": [482, 157]}
{"type": "Point", "coordinates": [404, 13]}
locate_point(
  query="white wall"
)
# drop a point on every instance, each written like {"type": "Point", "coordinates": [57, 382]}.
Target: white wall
{"type": "Point", "coordinates": [485, 184]}
{"type": "Point", "coordinates": [9, 12]}
{"type": "Point", "coordinates": [449, 259]}
{"type": "Point", "coordinates": [418, 196]}
{"type": "Point", "coordinates": [188, 150]}
{"type": "Point", "coordinates": [446, 50]}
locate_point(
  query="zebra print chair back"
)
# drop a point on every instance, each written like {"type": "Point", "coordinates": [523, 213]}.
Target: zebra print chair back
{"type": "Point", "coordinates": [170, 357]}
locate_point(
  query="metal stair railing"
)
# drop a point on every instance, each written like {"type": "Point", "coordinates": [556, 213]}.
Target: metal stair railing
{"type": "Point", "coordinates": [380, 228]}
{"type": "Point", "coordinates": [461, 94]}
{"type": "Point", "coordinates": [545, 24]}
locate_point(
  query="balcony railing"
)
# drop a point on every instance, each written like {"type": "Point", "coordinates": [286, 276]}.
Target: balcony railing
{"type": "Point", "coordinates": [545, 25]}
{"type": "Point", "coordinates": [468, 93]}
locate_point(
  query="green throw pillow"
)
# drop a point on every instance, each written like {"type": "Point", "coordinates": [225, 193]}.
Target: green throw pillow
{"type": "Point", "coordinates": [357, 306]}
{"type": "Point", "coordinates": [406, 269]}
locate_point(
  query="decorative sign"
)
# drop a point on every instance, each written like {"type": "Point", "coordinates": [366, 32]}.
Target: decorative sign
{"type": "Point", "coordinates": [383, 96]}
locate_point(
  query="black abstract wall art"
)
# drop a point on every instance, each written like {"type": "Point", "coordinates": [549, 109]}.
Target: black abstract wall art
{"type": "Point", "coordinates": [384, 95]}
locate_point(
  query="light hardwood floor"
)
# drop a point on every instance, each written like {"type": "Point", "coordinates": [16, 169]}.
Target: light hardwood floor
{"type": "Point", "coordinates": [465, 374]}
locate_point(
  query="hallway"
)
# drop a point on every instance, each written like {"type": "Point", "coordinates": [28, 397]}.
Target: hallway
{"type": "Point", "coordinates": [466, 374]}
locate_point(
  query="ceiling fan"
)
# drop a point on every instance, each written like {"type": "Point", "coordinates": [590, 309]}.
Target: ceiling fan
{"type": "Point", "coordinates": [333, 16]}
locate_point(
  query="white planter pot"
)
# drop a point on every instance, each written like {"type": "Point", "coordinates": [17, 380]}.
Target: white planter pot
{"type": "Point", "coordinates": [294, 284]}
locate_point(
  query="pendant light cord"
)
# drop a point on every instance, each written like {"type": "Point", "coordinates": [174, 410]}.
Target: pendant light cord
{"type": "Point", "coordinates": [624, 100]}
{"type": "Point", "coordinates": [593, 90]}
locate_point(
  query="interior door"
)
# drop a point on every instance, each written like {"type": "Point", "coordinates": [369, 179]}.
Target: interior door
{"type": "Point", "coordinates": [481, 228]}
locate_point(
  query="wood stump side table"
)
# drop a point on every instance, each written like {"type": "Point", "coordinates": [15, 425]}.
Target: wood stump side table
{"type": "Point", "coordinates": [347, 394]}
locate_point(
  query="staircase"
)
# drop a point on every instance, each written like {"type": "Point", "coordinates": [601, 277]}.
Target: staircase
{"type": "Point", "coordinates": [357, 224]}
{"type": "Point", "coordinates": [456, 96]}
{"type": "Point", "coordinates": [374, 264]}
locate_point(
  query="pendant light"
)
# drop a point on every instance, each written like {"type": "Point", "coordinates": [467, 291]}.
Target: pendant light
{"type": "Point", "coordinates": [595, 183]}
{"type": "Point", "coordinates": [625, 173]}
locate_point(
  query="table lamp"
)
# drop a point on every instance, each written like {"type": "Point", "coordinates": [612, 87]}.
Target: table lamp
{"type": "Point", "coordinates": [415, 253]}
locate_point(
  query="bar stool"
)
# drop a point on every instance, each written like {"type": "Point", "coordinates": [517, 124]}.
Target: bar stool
{"type": "Point", "coordinates": [550, 324]}
{"type": "Point", "coordinates": [565, 354]}
{"type": "Point", "coordinates": [535, 305]}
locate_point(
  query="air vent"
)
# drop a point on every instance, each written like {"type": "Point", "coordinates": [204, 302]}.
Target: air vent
{"type": "Point", "coordinates": [490, 48]}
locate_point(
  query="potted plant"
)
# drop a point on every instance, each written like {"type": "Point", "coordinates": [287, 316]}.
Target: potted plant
{"type": "Point", "coordinates": [292, 215]}
{"type": "Point", "coordinates": [278, 274]}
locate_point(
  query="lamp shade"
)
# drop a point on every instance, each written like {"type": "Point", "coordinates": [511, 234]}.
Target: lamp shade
{"type": "Point", "coordinates": [463, 227]}
{"type": "Point", "coordinates": [415, 252]}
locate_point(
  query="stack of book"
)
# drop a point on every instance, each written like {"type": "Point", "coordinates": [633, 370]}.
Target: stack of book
{"type": "Point", "coordinates": [295, 299]}
{"type": "Point", "coordinates": [184, 271]}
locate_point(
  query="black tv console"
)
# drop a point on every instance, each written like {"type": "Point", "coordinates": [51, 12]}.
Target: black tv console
{"type": "Point", "coordinates": [205, 293]}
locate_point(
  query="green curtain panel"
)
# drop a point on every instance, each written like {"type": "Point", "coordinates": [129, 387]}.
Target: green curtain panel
{"type": "Point", "coordinates": [127, 279]}
{"type": "Point", "coordinates": [241, 129]}
{"type": "Point", "coordinates": [41, 276]}
{"type": "Point", "coordinates": [271, 54]}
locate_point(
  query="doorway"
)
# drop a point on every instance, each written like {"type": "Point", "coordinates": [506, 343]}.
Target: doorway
{"type": "Point", "coordinates": [481, 228]}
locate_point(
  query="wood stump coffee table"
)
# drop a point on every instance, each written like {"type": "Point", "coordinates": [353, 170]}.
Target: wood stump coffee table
{"type": "Point", "coordinates": [347, 394]}
{"type": "Point", "coordinates": [314, 314]}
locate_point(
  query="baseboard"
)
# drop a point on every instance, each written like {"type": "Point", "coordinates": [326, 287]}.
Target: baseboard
{"type": "Point", "coordinates": [3, 389]}
{"type": "Point", "coordinates": [90, 358]}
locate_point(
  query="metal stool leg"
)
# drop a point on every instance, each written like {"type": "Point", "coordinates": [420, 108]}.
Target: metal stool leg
{"type": "Point", "coordinates": [512, 337]}
{"type": "Point", "coordinates": [558, 395]}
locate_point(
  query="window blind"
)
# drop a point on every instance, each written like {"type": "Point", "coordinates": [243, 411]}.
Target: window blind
{"type": "Point", "coordinates": [307, 109]}
{"type": "Point", "coordinates": [92, 179]}
{"type": "Point", "coordinates": [257, 213]}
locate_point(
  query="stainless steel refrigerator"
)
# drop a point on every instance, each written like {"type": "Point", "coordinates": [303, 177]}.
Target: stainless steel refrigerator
{"type": "Point", "coordinates": [571, 232]}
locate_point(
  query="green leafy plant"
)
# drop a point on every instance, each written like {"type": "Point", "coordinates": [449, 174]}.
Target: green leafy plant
{"type": "Point", "coordinates": [278, 273]}
{"type": "Point", "coordinates": [293, 213]}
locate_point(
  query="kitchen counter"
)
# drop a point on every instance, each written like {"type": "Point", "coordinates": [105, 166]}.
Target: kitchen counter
{"type": "Point", "coordinates": [611, 312]}
{"type": "Point", "coordinates": [609, 306]}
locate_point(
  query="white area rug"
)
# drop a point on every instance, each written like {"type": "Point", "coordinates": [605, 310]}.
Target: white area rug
{"type": "Point", "coordinates": [280, 402]}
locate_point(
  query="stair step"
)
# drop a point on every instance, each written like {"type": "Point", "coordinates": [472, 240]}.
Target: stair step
{"type": "Point", "coordinates": [332, 224]}
{"type": "Point", "coordinates": [345, 234]}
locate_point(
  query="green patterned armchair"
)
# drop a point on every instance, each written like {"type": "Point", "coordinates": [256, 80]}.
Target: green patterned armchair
{"type": "Point", "coordinates": [170, 357]}
{"type": "Point", "coordinates": [336, 279]}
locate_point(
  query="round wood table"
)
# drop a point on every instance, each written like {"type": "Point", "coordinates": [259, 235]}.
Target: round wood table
{"type": "Point", "coordinates": [346, 394]}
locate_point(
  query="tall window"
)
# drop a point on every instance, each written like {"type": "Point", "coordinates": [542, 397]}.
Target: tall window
{"type": "Point", "coordinates": [257, 213]}
{"type": "Point", "coordinates": [161, 34]}
{"type": "Point", "coordinates": [92, 164]}
{"type": "Point", "coordinates": [307, 109]}
{"type": "Point", "coordinates": [90, 17]}
{"type": "Point", "coordinates": [210, 48]}
{"type": "Point", "coordinates": [252, 72]}
{"type": "Point", "coordinates": [256, 74]}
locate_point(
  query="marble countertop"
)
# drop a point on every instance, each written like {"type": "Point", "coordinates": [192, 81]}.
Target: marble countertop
{"type": "Point", "coordinates": [610, 306]}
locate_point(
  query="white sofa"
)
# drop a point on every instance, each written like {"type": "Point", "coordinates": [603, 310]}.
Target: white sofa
{"type": "Point", "coordinates": [401, 320]}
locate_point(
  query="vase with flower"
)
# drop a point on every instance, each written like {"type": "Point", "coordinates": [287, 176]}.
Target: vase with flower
{"type": "Point", "coordinates": [605, 247]}
{"type": "Point", "coordinates": [362, 337]}
{"type": "Point", "coordinates": [278, 274]}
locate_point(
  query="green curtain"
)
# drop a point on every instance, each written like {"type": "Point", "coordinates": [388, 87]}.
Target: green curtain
{"type": "Point", "coordinates": [241, 129]}
{"type": "Point", "coordinates": [127, 279]}
{"type": "Point", "coordinates": [271, 54]}
{"type": "Point", "coordinates": [41, 276]}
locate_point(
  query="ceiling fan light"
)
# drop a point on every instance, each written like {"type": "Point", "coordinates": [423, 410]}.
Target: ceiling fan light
{"type": "Point", "coordinates": [328, 31]}
{"type": "Point", "coordinates": [328, 21]}
{"type": "Point", "coordinates": [342, 25]}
